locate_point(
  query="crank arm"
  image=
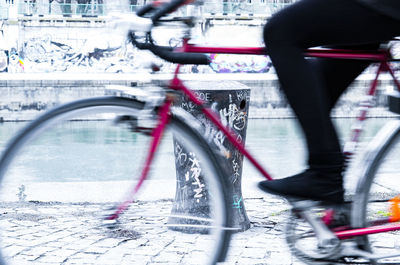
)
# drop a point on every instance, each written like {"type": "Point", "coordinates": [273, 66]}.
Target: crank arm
{"type": "Point", "coordinates": [325, 237]}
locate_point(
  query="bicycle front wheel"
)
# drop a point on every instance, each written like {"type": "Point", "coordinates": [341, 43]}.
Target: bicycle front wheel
{"type": "Point", "coordinates": [68, 169]}
{"type": "Point", "coordinates": [377, 193]}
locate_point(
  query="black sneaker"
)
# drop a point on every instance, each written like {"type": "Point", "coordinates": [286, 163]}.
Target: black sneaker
{"type": "Point", "coordinates": [309, 185]}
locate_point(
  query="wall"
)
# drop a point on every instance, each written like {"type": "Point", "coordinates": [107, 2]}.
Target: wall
{"type": "Point", "coordinates": [25, 96]}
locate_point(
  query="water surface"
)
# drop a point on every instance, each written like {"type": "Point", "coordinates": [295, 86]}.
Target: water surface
{"type": "Point", "coordinates": [98, 148]}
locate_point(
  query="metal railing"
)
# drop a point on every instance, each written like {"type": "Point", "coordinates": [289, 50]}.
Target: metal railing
{"type": "Point", "coordinates": [45, 9]}
{"type": "Point", "coordinates": [94, 9]}
{"type": "Point", "coordinates": [235, 7]}
{"type": "Point", "coordinates": [212, 7]}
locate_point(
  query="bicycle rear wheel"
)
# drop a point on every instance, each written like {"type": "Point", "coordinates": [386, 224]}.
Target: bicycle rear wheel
{"type": "Point", "coordinates": [378, 185]}
{"type": "Point", "coordinates": [69, 168]}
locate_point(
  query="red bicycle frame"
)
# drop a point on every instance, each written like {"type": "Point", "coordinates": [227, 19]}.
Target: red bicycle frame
{"type": "Point", "coordinates": [382, 57]}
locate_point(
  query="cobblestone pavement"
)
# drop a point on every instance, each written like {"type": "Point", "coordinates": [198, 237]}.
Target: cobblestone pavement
{"type": "Point", "coordinates": [59, 233]}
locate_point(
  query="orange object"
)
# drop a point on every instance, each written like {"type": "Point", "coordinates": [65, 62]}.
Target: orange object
{"type": "Point", "coordinates": [394, 209]}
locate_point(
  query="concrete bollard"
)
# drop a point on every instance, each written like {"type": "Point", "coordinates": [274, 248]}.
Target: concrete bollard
{"type": "Point", "coordinates": [230, 99]}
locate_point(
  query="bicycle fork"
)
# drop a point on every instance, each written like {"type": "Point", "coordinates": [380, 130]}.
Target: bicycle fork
{"type": "Point", "coordinates": [156, 134]}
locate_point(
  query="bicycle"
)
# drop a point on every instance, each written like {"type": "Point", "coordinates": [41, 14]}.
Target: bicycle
{"type": "Point", "coordinates": [140, 114]}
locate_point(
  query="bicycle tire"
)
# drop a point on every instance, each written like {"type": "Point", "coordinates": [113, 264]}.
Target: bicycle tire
{"type": "Point", "coordinates": [376, 186]}
{"type": "Point", "coordinates": [142, 243]}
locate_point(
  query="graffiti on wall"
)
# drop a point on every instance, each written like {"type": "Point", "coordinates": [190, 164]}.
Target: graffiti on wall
{"type": "Point", "coordinates": [42, 54]}
{"type": "Point", "coordinates": [228, 63]}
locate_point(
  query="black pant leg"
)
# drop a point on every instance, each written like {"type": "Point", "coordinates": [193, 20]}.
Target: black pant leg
{"type": "Point", "coordinates": [309, 89]}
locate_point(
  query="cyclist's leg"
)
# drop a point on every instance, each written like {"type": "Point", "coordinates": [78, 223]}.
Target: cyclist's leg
{"type": "Point", "coordinates": [339, 74]}
{"type": "Point", "coordinates": [305, 24]}
{"type": "Point", "coordinates": [312, 23]}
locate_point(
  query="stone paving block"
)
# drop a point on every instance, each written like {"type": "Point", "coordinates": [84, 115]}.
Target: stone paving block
{"type": "Point", "coordinates": [231, 260]}
{"type": "Point", "coordinates": [42, 240]}
{"type": "Point", "coordinates": [21, 261]}
{"type": "Point", "coordinates": [191, 260]}
{"type": "Point", "coordinates": [35, 242]}
{"type": "Point", "coordinates": [135, 260]}
{"type": "Point", "coordinates": [37, 251]}
{"type": "Point", "coordinates": [73, 238]}
{"type": "Point", "coordinates": [56, 244]}
{"type": "Point", "coordinates": [62, 252]}
{"type": "Point", "coordinates": [83, 257]}
{"type": "Point", "coordinates": [60, 234]}
{"type": "Point", "coordinates": [30, 237]}
{"type": "Point", "coordinates": [7, 234]}
{"type": "Point", "coordinates": [23, 232]}
{"type": "Point", "coordinates": [28, 257]}
{"type": "Point", "coordinates": [13, 241]}
{"type": "Point", "coordinates": [96, 250]}
{"type": "Point", "coordinates": [253, 261]}
{"type": "Point", "coordinates": [235, 250]}
{"type": "Point", "coordinates": [114, 255]}
{"type": "Point", "coordinates": [168, 257]}
{"type": "Point", "coordinates": [76, 262]}
{"type": "Point", "coordinates": [80, 240]}
{"type": "Point", "coordinates": [276, 246]}
{"type": "Point", "coordinates": [80, 244]}
{"type": "Point", "coordinates": [107, 242]}
{"type": "Point", "coordinates": [279, 258]}
{"type": "Point", "coordinates": [256, 253]}
{"type": "Point", "coordinates": [13, 250]}
{"type": "Point", "coordinates": [4, 222]}
{"type": "Point", "coordinates": [148, 250]}
{"type": "Point", "coordinates": [240, 243]}
{"type": "Point", "coordinates": [51, 258]}
{"type": "Point", "coordinates": [133, 244]}
{"type": "Point", "coordinates": [162, 263]}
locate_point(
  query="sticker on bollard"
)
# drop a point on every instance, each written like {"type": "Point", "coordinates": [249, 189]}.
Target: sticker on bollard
{"type": "Point", "coordinates": [230, 100]}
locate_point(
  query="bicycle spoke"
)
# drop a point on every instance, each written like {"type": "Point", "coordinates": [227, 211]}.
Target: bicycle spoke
{"type": "Point", "coordinates": [56, 194]}
{"type": "Point", "coordinates": [378, 203]}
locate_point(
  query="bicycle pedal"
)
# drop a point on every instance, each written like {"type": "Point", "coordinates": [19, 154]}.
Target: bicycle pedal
{"type": "Point", "coordinates": [110, 223]}
{"type": "Point", "coordinates": [337, 217]}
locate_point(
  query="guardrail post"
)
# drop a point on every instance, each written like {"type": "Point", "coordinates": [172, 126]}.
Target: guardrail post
{"type": "Point", "coordinates": [231, 100]}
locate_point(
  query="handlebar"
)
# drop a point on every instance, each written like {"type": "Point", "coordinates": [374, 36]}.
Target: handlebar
{"type": "Point", "coordinates": [152, 13]}
{"type": "Point", "coordinates": [180, 57]}
{"type": "Point", "coordinates": [144, 20]}
{"type": "Point", "coordinates": [168, 53]}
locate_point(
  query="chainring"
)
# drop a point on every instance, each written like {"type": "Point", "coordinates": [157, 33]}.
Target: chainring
{"type": "Point", "coordinates": [303, 244]}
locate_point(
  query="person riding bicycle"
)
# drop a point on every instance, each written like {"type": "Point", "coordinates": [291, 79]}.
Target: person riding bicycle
{"type": "Point", "coordinates": [312, 86]}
